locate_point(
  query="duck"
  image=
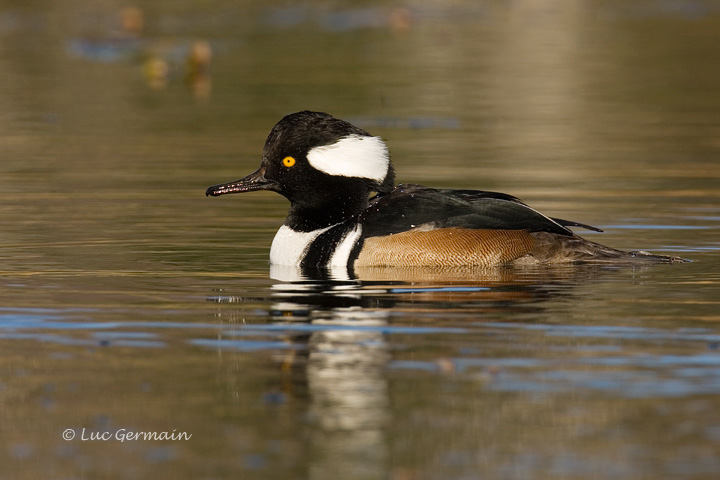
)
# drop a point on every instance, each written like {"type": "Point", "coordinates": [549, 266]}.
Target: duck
{"type": "Point", "coordinates": [346, 210]}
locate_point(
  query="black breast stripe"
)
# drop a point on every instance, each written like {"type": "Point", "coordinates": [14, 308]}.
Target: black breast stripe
{"type": "Point", "coordinates": [320, 251]}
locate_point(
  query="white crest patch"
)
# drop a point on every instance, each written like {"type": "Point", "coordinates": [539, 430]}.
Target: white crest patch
{"type": "Point", "coordinates": [353, 156]}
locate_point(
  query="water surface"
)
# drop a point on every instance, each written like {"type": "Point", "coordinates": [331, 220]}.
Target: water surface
{"type": "Point", "coordinates": [132, 303]}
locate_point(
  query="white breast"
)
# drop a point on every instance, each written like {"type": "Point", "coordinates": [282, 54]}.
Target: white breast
{"type": "Point", "coordinates": [289, 247]}
{"type": "Point", "coordinates": [341, 257]}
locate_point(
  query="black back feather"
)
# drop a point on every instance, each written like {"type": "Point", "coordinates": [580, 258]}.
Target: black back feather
{"type": "Point", "coordinates": [409, 206]}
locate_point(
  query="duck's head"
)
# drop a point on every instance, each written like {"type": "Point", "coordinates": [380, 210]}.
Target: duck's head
{"type": "Point", "coordinates": [325, 166]}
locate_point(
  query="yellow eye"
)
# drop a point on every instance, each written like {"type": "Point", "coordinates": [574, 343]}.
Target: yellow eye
{"type": "Point", "coordinates": [288, 161]}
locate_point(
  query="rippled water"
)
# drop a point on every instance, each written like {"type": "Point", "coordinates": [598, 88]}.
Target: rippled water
{"type": "Point", "coordinates": [132, 303]}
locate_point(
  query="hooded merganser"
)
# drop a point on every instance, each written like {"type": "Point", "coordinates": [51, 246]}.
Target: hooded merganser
{"type": "Point", "coordinates": [346, 211]}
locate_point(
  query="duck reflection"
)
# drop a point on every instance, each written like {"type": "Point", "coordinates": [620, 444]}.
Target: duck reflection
{"type": "Point", "coordinates": [349, 401]}
{"type": "Point", "coordinates": [467, 290]}
{"type": "Point", "coordinates": [340, 356]}
{"type": "Point", "coordinates": [340, 338]}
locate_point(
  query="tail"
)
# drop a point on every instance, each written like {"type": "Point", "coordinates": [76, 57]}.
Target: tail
{"type": "Point", "coordinates": [555, 248]}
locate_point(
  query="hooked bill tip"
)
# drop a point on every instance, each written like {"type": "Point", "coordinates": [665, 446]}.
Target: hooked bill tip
{"type": "Point", "coordinates": [212, 192]}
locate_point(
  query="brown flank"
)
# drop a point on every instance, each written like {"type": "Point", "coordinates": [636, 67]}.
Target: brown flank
{"type": "Point", "coordinates": [446, 247]}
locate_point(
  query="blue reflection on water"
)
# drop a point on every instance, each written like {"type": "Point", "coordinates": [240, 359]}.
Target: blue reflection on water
{"type": "Point", "coordinates": [630, 226]}
{"type": "Point", "coordinates": [309, 327]}
{"type": "Point", "coordinates": [609, 331]}
{"type": "Point", "coordinates": [243, 345]}
{"type": "Point", "coordinates": [627, 366]}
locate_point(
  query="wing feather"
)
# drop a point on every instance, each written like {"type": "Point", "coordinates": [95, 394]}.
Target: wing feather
{"type": "Point", "coordinates": [411, 206]}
